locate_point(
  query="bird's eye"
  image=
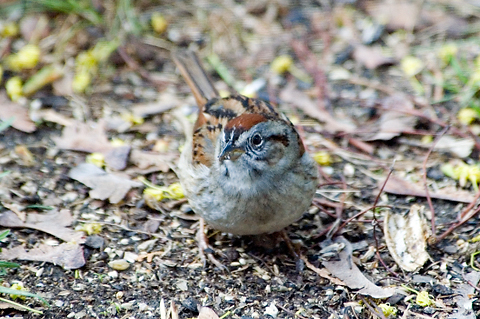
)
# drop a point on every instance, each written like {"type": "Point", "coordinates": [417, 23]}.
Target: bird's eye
{"type": "Point", "coordinates": [257, 140]}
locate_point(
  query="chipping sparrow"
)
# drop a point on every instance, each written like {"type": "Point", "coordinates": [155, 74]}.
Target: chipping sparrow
{"type": "Point", "coordinates": [244, 169]}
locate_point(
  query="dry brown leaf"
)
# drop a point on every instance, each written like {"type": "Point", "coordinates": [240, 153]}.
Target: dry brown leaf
{"type": "Point", "coordinates": [406, 237]}
{"type": "Point", "coordinates": [461, 147]}
{"type": "Point", "coordinates": [35, 27]}
{"type": "Point", "coordinates": [9, 109]}
{"type": "Point", "coordinates": [146, 109]}
{"type": "Point", "coordinates": [104, 185]}
{"type": "Point", "coordinates": [91, 138]}
{"type": "Point", "coordinates": [300, 100]}
{"type": "Point", "coordinates": [322, 272]}
{"type": "Point", "coordinates": [85, 137]}
{"type": "Point", "coordinates": [207, 313]}
{"type": "Point", "coordinates": [152, 160]}
{"type": "Point", "coordinates": [398, 186]}
{"type": "Point", "coordinates": [343, 268]}
{"type": "Point", "coordinates": [393, 120]}
{"type": "Point", "coordinates": [371, 57]}
{"type": "Point", "coordinates": [55, 223]}
{"type": "Point", "coordinates": [396, 14]}
{"type": "Point", "coordinates": [465, 296]}
{"type": "Point", "coordinates": [67, 255]}
{"type": "Point", "coordinates": [50, 115]}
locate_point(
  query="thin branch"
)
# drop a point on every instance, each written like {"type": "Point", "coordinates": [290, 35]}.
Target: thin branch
{"type": "Point", "coordinates": [427, 193]}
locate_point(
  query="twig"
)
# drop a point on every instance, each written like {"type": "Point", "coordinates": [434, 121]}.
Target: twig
{"type": "Point", "coordinates": [375, 223]}
{"type": "Point", "coordinates": [135, 66]}
{"type": "Point", "coordinates": [427, 193]}
{"type": "Point", "coordinates": [378, 314]}
{"type": "Point", "coordinates": [462, 218]}
{"type": "Point", "coordinates": [309, 62]}
{"type": "Point", "coordinates": [390, 91]}
{"type": "Point", "coordinates": [360, 214]}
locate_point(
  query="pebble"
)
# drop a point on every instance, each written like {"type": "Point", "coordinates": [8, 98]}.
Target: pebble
{"type": "Point", "coordinates": [124, 241]}
{"type": "Point", "coordinates": [182, 284]}
{"type": "Point", "coordinates": [119, 264]}
{"type": "Point", "coordinates": [147, 245]}
{"type": "Point", "coordinates": [142, 306]}
{"type": "Point", "coordinates": [69, 197]}
{"type": "Point", "coordinates": [130, 257]}
{"type": "Point", "coordinates": [271, 310]}
{"type": "Point", "coordinates": [29, 187]}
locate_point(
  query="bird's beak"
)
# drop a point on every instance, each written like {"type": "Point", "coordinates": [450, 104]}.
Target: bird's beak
{"type": "Point", "coordinates": [230, 152]}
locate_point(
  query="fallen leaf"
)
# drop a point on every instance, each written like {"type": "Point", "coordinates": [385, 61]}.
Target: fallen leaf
{"type": "Point", "coordinates": [465, 297]}
{"type": "Point", "coordinates": [207, 313]}
{"type": "Point", "coordinates": [396, 14]}
{"type": "Point", "coordinates": [343, 268]}
{"type": "Point", "coordinates": [406, 237]}
{"type": "Point", "coordinates": [117, 157]}
{"type": "Point", "coordinates": [55, 223]}
{"type": "Point", "coordinates": [461, 147]}
{"type": "Point", "coordinates": [35, 27]}
{"type": "Point", "coordinates": [152, 160]}
{"type": "Point", "coordinates": [67, 255]}
{"type": "Point", "coordinates": [50, 115]}
{"type": "Point", "coordinates": [371, 56]}
{"type": "Point", "coordinates": [85, 137]}
{"type": "Point", "coordinates": [301, 101]}
{"type": "Point", "coordinates": [9, 109]}
{"type": "Point", "coordinates": [398, 186]}
{"type": "Point", "coordinates": [146, 109]}
{"type": "Point", "coordinates": [91, 138]}
{"type": "Point", "coordinates": [324, 273]}
{"type": "Point", "coordinates": [104, 185]}
{"type": "Point", "coordinates": [393, 120]}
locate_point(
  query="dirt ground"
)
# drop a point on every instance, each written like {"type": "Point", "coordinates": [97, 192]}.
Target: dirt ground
{"type": "Point", "coordinates": [372, 85]}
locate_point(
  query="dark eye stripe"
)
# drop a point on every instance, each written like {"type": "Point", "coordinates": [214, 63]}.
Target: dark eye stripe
{"type": "Point", "coordinates": [280, 138]}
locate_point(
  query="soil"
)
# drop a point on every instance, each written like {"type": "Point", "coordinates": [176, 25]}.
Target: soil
{"type": "Point", "coordinates": [263, 277]}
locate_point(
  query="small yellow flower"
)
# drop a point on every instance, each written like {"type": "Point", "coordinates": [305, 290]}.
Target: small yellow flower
{"type": "Point", "coordinates": [467, 115]}
{"type": "Point", "coordinates": [159, 23]}
{"type": "Point", "coordinates": [103, 49]}
{"type": "Point", "coordinates": [14, 88]}
{"type": "Point", "coordinates": [388, 310]}
{"type": "Point", "coordinates": [81, 81]}
{"type": "Point", "coordinates": [281, 64]}
{"type": "Point", "coordinates": [475, 239]}
{"type": "Point", "coordinates": [427, 139]}
{"type": "Point", "coordinates": [86, 61]}
{"type": "Point", "coordinates": [117, 142]}
{"type": "Point", "coordinates": [411, 65]}
{"type": "Point", "coordinates": [132, 118]}
{"type": "Point", "coordinates": [20, 287]}
{"type": "Point", "coordinates": [463, 173]}
{"type": "Point", "coordinates": [10, 29]}
{"type": "Point", "coordinates": [424, 299]}
{"type": "Point", "coordinates": [90, 228]}
{"type": "Point", "coordinates": [174, 191]}
{"type": "Point", "coordinates": [97, 159]}
{"type": "Point", "coordinates": [447, 52]}
{"type": "Point", "coordinates": [322, 158]}
{"type": "Point", "coordinates": [26, 58]}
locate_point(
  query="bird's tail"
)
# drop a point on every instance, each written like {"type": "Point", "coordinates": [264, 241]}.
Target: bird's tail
{"type": "Point", "coordinates": [195, 76]}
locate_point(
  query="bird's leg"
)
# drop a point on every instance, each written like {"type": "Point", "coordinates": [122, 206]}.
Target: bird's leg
{"type": "Point", "coordinates": [297, 255]}
{"type": "Point", "coordinates": [205, 249]}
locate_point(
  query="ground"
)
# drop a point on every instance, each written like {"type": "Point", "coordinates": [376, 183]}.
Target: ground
{"type": "Point", "coordinates": [384, 95]}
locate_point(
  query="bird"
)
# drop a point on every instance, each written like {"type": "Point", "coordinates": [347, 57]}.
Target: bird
{"type": "Point", "coordinates": [244, 168]}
